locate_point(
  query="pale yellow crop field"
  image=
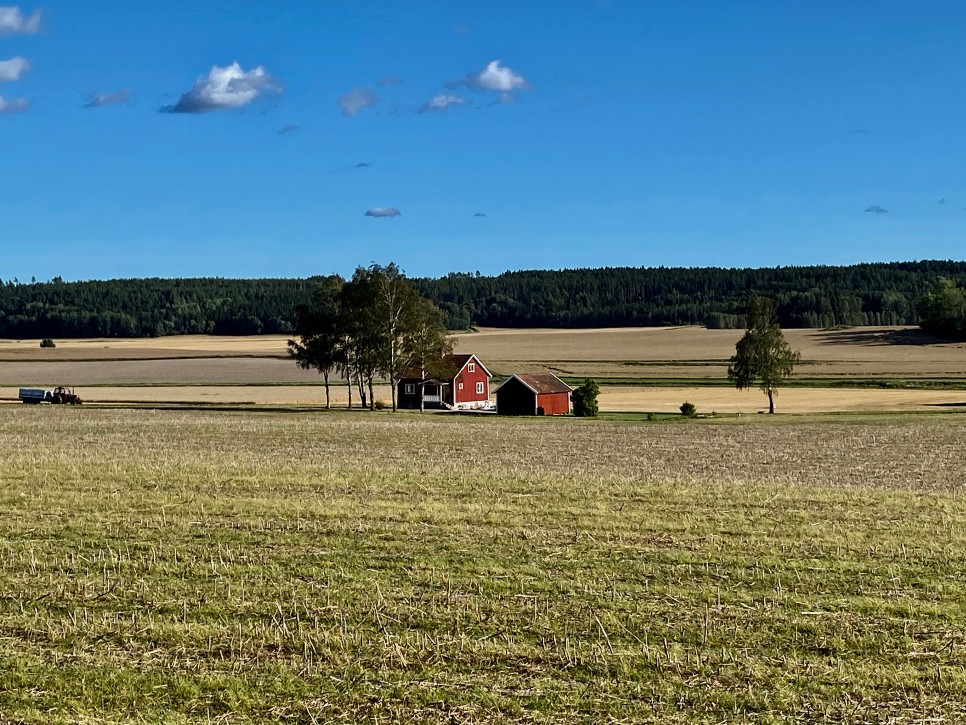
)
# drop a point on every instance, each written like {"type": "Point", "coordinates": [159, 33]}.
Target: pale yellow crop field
{"type": "Point", "coordinates": [256, 370]}
{"type": "Point", "coordinates": [789, 400]}
{"type": "Point", "coordinates": [855, 351]}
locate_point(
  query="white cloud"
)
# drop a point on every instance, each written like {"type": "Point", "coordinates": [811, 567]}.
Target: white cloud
{"type": "Point", "coordinates": [108, 99]}
{"type": "Point", "coordinates": [383, 211]}
{"type": "Point", "coordinates": [13, 21]}
{"type": "Point", "coordinates": [15, 106]}
{"type": "Point", "coordinates": [441, 102]}
{"type": "Point", "coordinates": [356, 100]}
{"type": "Point", "coordinates": [12, 69]}
{"type": "Point", "coordinates": [496, 77]}
{"type": "Point", "coordinates": [223, 88]}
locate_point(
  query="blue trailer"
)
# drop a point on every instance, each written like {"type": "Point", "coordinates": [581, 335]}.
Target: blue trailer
{"type": "Point", "coordinates": [58, 396]}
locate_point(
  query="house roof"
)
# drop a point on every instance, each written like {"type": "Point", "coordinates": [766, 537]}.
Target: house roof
{"type": "Point", "coordinates": [458, 362]}
{"type": "Point", "coordinates": [540, 383]}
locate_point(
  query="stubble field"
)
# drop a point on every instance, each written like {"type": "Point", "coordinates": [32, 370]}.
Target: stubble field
{"type": "Point", "coordinates": [192, 566]}
{"type": "Point", "coordinates": [644, 369]}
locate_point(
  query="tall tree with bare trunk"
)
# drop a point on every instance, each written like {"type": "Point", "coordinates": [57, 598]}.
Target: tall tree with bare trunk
{"type": "Point", "coordinates": [763, 355]}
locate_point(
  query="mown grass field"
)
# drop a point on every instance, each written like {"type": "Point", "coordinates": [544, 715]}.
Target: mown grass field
{"type": "Point", "coordinates": [185, 566]}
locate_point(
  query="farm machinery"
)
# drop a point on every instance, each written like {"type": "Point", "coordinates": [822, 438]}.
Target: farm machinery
{"type": "Point", "coordinates": [58, 396]}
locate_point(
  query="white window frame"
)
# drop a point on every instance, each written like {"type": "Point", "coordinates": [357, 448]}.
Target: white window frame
{"type": "Point", "coordinates": [410, 389]}
{"type": "Point", "coordinates": [471, 367]}
{"type": "Point", "coordinates": [461, 386]}
{"type": "Point", "coordinates": [479, 387]}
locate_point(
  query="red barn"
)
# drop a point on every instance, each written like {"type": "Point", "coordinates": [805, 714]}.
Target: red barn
{"type": "Point", "coordinates": [537, 394]}
{"type": "Point", "coordinates": [469, 388]}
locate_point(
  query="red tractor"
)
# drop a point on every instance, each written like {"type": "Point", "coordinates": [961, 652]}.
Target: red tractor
{"type": "Point", "coordinates": [65, 396]}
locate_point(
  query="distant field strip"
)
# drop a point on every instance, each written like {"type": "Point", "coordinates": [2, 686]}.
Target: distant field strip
{"type": "Point", "coordinates": [237, 567]}
{"type": "Point", "coordinates": [652, 365]}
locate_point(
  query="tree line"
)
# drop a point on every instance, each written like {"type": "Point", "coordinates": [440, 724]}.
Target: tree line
{"type": "Point", "coordinates": [817, 296]}
{"type": "Point", "coordinates": [375, 324]}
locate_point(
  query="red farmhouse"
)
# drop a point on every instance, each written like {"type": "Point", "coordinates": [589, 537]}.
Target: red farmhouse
{"type": "Point", "coordinates": [469, 388]}
{"type": "Point", "coordinates": [538, 394]}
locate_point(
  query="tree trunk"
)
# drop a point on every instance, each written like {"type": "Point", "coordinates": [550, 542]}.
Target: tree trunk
{"type": "Point", "coordinates": [392, 384]}
{"type": "Point", "coordinates": [422, 392]}
{"type": "Point", "coordinates": [771, 401]}
{"type": "Point", "coordinates": [372, 398]}
{"type": "Point", "coordinates": [348, 384]}
{"type": "Point", "coordinates": [325, 377]}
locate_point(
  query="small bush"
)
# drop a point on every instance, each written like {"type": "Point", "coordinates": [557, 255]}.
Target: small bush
{"type": "Point", "coordinates": [584, 399]}
{"type": "Point", "coordinates": [688, 410]}
{"type": "Point", "coordinates": [47, 342]}
{"type": "Point", "coordinates": [380, 405]}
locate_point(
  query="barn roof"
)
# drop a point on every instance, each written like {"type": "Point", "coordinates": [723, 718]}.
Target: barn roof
{"type": "Point", "coordinates": [540, 383]}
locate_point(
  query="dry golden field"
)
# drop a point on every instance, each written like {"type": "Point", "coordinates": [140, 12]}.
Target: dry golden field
{"type": "Point", "coordinates": [256, 369]}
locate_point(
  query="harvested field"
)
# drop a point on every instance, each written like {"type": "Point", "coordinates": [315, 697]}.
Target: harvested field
{"type": "Point", "coordinates": [236, 369]}
{"type": "Point", "coordinates": [194, 371]}
{"type": "Point", "coordinates": [621, 398]}
{"type": "Point", "coordinates": [240, 567]}
{"type": "Point", "coordinates": [788, 400]}
{"type": "Point", "coordinates": [146, 348]}
{"type": "Point", "coordinates": [291, 395]}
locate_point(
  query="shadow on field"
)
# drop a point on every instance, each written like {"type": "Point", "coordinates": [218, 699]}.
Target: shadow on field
{"type": "Point", "coordinates": [947, 405]}
{"type": "Point", "coordinates": [879, 337]}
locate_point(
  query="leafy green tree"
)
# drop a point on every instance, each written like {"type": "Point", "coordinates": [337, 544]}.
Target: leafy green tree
{"type": "Point", "coordinates": [393, 313]}
{"type": "Point", "coordinates": [584, 398]}
{"type": "Point", "coordinates": [362, 329]}
{"type": "Point", "coordinates": [427, 344]}
{"type": "Point", "coordinates": [762, 356]}
{"type": "Point", "coordinates": [320, 343]}
{"type": "Point", "coordinates": [944, 309]}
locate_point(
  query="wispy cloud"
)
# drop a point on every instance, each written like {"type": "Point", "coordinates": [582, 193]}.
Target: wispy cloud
{"type": "Point", "coordinates": [363, 165]}
{"type": "Point", "coordinates": [441, 102]}
{"type": "Point", "coordinates": [479, 213]}
{"type": "Point", "coordinates": [356, 100]}
{"type": "Point", "coordinates": [117, 98]}
{"type": "Point", "coordinates": [876, 209]}
{"type": "Point", "coordinates": [494, 77]}
{"type": "Point", "coordinates": [287, 129]}
{"type": "Point", "coordinates": [12, 69]}
{"type": "Point", "coordinates": [13, 21]}
{"type": "Point", "coordinates": [390, 80]}
{"type": "Point", "coordinates": [383, 211]}
{"type": "Point", "coordinates": [224, 88]}
{"type": "Point", "coordinates": [17, 105]}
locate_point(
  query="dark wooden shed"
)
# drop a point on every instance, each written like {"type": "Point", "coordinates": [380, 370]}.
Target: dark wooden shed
{"type": "Point", "coordinates": [536, 394]}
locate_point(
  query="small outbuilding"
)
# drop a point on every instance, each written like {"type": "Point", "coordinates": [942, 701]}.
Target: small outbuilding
{"type": "Point", "coordinates": [535, 394]}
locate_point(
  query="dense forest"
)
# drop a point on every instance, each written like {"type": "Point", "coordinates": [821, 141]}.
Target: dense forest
{"type": "Point", "coordinates": [864, 294]}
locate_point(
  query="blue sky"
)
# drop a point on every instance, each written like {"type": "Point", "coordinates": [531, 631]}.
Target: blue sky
{"type": "Point", "coordinates": [246, 138]}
